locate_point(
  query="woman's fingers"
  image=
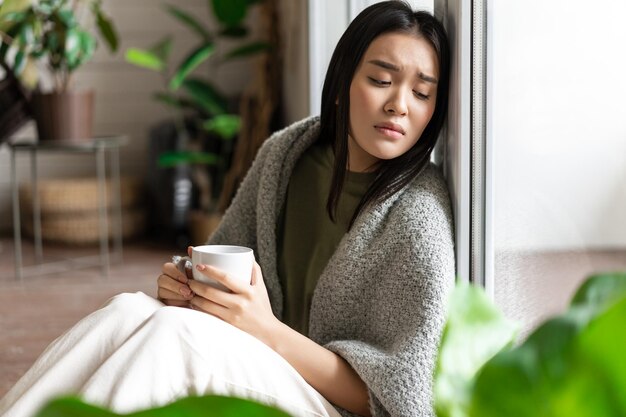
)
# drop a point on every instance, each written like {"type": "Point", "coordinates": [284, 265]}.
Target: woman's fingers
{"type": "Point", "coordinates": [223, 278]}
{"type": "Point", "coordinates": [176, 289]}
{"type": "Point", "coordinates": [171, 270]}
{"type": "Point", "coordinates": [167, 298]}
{"type": "Point", "coordinates": [213, 294]}
{"type": "Point", "coordinates": [208, 306]}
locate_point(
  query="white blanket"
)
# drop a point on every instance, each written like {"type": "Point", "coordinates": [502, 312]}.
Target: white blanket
{"type": "Point", "coordinates": [135, 353]}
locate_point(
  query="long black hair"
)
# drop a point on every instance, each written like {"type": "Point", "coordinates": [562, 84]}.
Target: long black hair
{"type": "Point", "coordinates": [394, 174]}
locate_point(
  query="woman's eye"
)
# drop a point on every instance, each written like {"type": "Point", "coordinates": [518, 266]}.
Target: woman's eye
{"type": "Point", "coordinates": [379, 82]}
{"type": "Point", "coordinates": [420, 95]}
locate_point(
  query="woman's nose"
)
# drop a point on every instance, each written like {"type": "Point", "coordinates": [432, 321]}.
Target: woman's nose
{"type": "Point", "coordinates": [396, 104]}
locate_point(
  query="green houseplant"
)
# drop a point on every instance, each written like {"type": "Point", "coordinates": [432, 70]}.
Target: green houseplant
{"type": "Point", "coordinates": [205, 120]}
{"type": "Point", "coordinates": [207, 406]}
{"type": "Point", "coordinates": [45, 41]}
{"type": "Point", "coordinates": [571, 365]}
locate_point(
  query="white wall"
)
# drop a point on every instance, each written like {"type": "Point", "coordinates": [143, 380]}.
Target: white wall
{"type": "Point", "coordinates": [123, 93]}
{"type": "Point", "coordinates": [556, 116]}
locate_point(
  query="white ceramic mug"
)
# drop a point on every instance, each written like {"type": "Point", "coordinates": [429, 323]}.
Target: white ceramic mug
{"type": "Point", "coordinates": [236, 261]}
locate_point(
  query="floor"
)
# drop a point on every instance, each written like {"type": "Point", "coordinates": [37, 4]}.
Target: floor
{"type": "Point", "coordinates": [36, 310]}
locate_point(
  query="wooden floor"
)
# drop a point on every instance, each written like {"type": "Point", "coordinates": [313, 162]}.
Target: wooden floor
{"type": "Point", "coordinates": [36, 310]}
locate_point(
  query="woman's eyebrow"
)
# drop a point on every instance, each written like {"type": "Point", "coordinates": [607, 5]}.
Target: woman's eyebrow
{"type": "Point", "coordinates": [391, 67]}
{"type": "Point", "coordinates": [385, 65]}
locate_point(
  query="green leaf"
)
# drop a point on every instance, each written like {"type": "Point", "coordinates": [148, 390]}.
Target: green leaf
{"type": "Point", "coordinates": [72, 47]}
{"type": "Point", "coordinates": [9, 6]}
{"type": "Point", "coordinates": [72, 407]}
{"type": "Point", "coordinates": [234, 31]}
{"type": "Point", "coordinates": [163, 48]}
{"type": "Point", "coordinates": [190, 21]}
{"type": "Point", "coordinates": [602, 345]}
{"type": "Point", "coordinates": [11, 12]}
{"type": "Point", "coordinates": [170, 159]}
{"type": "Point", "coordinates": [230, 12]}
{"type": "Point", "coordinates": [567, 366]}
{"type": "Point", "coordinates": [173, 101]}
{"type": "Point", "coordinates": [190, 63]}
{"type": "Point", "coordinates": [168, 99]}
{"type": "Point", "coordinates": [13, 17]}
{"type": "Point", "coordinates": [206, 406]}
{"type": "Point", "coordinates": [79, 48]}
{"type": "Point", "coordinates": [66, 17]}
{"type": "Point", "coordinates": [4, 47]}
{"type": "Point", "coordinates": [144, 59]}
{"type": "Point", "coordinates": [20, 62]}
{"type": "Point", "coordinates": [207, 97]}
{"type": "Point", "coordinates": [601, 290]}
{"type": "Point", "coordinates": [474, 332]}
{"type": "Point", "coordinates": [26, 35]}
{"type": "Point", "coordinates": [250, 49]}
{"type": "Point", "coordinates": [52, 43]}
{"type": "Point", "coordinates": [88, 46]}
{"type": "Point", "coordinates": [47, 7]}
{"type": "Point", "coordinates": [225, 125]}
{"type": "Point", "coordinates": [107, 30]}
{"type": "Point", "coordinates": [213, 406]}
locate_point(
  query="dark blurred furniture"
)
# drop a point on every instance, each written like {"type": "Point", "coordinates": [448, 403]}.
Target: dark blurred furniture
{"type": "Point", "coordinates": [14, 105]}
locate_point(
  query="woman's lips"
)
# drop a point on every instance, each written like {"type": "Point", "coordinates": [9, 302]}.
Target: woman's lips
{"type": "Point", "coordinates": [390, 130]}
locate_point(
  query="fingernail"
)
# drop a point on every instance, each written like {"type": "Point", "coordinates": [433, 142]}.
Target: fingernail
{"type": "Point", "coordinates": [200, 267]}
{"type": "Point", "coordinates": [185, 291]}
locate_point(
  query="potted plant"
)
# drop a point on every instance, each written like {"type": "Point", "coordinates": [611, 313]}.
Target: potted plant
{"type": "Point", "coordinates": [205, 121]}
{"type": "Point", "coordinates": [43, 43]}
{"type": "Point", "coordinates": [571, 365]}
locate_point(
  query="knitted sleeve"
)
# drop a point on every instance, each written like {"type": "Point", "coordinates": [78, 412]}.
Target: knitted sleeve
{"type": "Point", "coordinates": [386, 318]}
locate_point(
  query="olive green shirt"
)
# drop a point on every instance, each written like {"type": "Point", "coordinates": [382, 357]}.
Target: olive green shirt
{"type": "Point", "coordinates": [307, 237]}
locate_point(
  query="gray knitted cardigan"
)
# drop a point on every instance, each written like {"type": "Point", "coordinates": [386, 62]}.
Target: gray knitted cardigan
{"type": "Point", "coordinates": [380, 301]}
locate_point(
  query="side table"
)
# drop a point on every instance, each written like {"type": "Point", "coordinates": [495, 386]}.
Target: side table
{"type": "Point", "coordinates": [98, 147]}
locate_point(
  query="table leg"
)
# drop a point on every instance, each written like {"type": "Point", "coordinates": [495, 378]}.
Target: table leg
{"type": "Point", "coordinates": [17, 233]}
{"type": "Point", "coordinates": [102, 210]}
{"type": "Point", "coordinates": [117, 203]}
{"type": "Point", "coordinates": [34, 186]}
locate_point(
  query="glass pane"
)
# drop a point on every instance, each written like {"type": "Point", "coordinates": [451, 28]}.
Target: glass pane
{"type": "Point", "coordinates": [557, 122]}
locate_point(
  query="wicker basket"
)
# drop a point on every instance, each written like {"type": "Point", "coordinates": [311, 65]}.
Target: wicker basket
{"type": "Point", "coordinates": [70, 211]}
{"type": "Point", "coordinates": [78, 194]}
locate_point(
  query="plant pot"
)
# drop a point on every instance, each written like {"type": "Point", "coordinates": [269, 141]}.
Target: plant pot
{"type": "Point", "coordinates": [66, 116]}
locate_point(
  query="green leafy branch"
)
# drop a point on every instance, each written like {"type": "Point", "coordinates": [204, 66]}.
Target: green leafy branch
{"type": "Point", "coordinates": [48, 32]}
{"type": "Point", "coordinates": [571, 365]}
{"type": "Point", "coordinates": [185, 93]}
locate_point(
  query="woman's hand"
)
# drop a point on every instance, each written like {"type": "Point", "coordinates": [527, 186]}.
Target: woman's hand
{"type": "Point", "coordinates": [173, 286]}
{"type": "Point", "coordinates": [247, 307]}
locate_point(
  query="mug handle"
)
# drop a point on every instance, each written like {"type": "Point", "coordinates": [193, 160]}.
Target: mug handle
{"type": "Point", "coordinates": [183, 263]}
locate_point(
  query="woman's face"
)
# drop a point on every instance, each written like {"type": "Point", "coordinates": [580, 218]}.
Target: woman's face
{"type": "Point", "coordinates": [392, 98]}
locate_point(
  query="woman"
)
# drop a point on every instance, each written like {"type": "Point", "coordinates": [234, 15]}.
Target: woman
{"type": "Point", "coordinates": [352, 231]}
